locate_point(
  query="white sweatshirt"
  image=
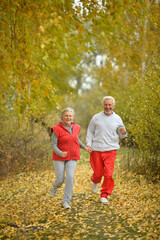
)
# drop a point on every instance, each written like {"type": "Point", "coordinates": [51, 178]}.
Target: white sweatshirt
{"type": "Point", "coordinates": [102, 132]}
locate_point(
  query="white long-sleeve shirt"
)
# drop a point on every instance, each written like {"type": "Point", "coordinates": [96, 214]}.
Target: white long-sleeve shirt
{"type": "Point", "coordinates": [102, 132]}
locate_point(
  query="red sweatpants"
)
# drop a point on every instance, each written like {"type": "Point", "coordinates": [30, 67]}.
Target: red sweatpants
{"type": "Point", "coordinates": [102, 164]}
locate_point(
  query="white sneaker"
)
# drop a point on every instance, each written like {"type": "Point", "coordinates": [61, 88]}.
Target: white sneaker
{"type": "Point", "coordinates": [52, 192]}
{"type": "Point", "coordinates": [94, 187]}
{"type": "Point", "coordinates": [66, 205]}
{"type": "Point", "coordinates": [104, 200]}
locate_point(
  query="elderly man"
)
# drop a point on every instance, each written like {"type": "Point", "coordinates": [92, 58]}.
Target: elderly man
{"type": "Point", "coordinates": [103, 135]}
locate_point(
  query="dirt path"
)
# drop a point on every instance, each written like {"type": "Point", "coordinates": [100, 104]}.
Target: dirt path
{"type": "Point", "coordinates": [28, 212]}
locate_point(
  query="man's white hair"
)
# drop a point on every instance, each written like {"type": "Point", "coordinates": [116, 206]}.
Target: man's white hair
{"type": "Point", "coordinates": [68, 109]}
{"type": "Point", "coordinates": [109, 98]}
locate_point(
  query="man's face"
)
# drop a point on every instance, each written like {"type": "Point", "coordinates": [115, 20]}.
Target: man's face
{"type": "Point", "coordinates": [108, 106]}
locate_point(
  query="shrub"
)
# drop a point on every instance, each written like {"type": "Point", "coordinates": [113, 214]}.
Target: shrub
{"type": "Point", "coordinates": [144, 118]}
{"type": "Point", "coordinates": [25, 145]}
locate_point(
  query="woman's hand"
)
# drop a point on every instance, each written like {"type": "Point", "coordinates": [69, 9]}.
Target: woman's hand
{"type": "Point", "coordinates": [64, 154]}
{"type": "Point", "coordinates": [88, 149]}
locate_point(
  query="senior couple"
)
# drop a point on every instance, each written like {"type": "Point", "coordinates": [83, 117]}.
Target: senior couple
{"type": "Point", "coordinates": [102, 140]}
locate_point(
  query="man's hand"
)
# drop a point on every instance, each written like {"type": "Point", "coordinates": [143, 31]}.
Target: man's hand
{"type": "Point", "coordinates": [122, 130]}
{"type": "Point", "coordinates": [88, 149]}
{"type": "Point", "coordinates": [64, 154]}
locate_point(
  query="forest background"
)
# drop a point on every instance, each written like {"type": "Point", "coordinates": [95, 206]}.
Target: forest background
{"type": "Point", "coordinates": [60, 53]}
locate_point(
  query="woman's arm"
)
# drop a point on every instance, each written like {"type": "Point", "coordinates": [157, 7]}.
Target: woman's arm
{"type": "Point", "coordinates": [54, 141]}
{"type": "Point", "coordinates": [81, 144]}
{"type": "Point", "coordinates": [88, 149]}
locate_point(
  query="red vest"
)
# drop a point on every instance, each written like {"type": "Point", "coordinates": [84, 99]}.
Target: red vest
{"type": "Point", "coordinates": [67, 142]}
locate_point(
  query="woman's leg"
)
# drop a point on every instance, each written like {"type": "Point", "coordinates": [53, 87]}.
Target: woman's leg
{"type": "Point", "coordinates": [70, 170]}
{"type": "Point", "coordinates": [59, 168]}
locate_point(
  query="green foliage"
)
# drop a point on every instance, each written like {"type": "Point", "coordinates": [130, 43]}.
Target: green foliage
{"type": "Point", "coordinates": [144, 115]}
{"type": "Point", "coordinates": [47, 41]}
{"type": "Point", "coordinates": [39, 53]}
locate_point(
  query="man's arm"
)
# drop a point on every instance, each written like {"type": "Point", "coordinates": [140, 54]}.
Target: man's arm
{"type": "Point", "coordinates": [122, 132]}
{"type": "Point", "coordinates": [90, 133]}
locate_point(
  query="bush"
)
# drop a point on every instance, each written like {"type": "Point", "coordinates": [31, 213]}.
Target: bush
{"type": "Point", "coordinates": [25, 145]}
{"type": "Point", "coordinates": [144, 119]}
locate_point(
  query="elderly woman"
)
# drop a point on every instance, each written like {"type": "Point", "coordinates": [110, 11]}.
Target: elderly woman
{"type": "Point", "coordinates": [66, 151]}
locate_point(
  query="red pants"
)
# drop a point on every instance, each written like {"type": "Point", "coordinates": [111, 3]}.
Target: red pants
{"type": "Point", "coordinates": [102, 164]}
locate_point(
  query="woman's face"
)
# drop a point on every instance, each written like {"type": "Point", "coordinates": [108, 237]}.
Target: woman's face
{"type": "Point", "coordinates": [67, 118]}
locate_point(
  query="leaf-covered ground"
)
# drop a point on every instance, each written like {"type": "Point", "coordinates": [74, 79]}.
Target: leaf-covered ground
{"type": "Point", "coordinates": [28, 212]}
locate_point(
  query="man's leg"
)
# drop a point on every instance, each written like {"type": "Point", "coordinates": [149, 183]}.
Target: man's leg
{"type": "Point", "coordinates": [97, 166]}
{"type": "Point", "coordinates": [108, 182]}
